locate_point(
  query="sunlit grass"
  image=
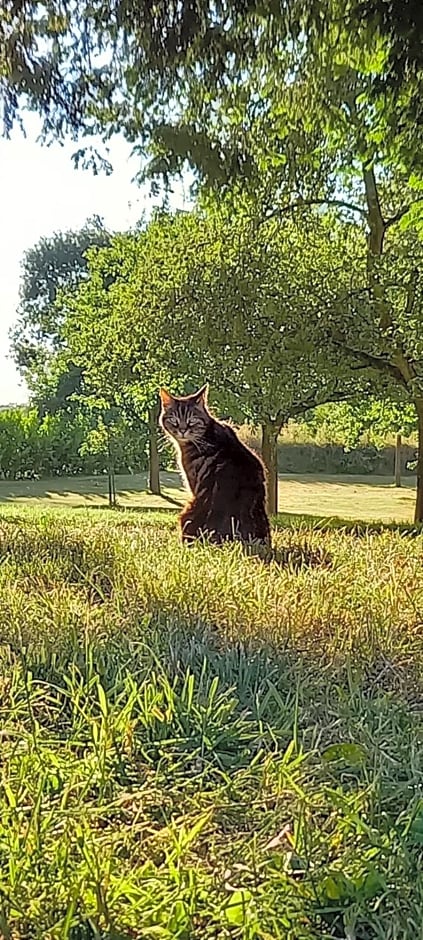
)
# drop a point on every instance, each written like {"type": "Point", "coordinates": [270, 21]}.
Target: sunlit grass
{"type": "Point", "coordinates": [350, 497]}
{"type": "Point", "coordinates": [198, 745]}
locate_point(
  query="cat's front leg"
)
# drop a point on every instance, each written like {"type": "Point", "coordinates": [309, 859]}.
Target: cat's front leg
{"type": "Point", "coordinates": [190, 521]}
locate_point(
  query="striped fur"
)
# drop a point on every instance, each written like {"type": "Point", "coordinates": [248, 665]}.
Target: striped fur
{"type": "Point", "coordinates": [225, 479]}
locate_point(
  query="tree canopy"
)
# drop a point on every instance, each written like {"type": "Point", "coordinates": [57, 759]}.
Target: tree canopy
{"type": "Point", "coordinates": [52, 264]}
{"type": "Point", "coordinates": [222, 298]}
{"type": "Point", "coordinates": [129, 65]}
{"type": "Point", "coordinates": [289, 106]}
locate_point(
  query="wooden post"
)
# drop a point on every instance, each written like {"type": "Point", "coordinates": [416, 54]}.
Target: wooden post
{"type": "Point", "coordinates": [111, 473]}
{"type": "Point", "coordinates": [418, 515]}
{"type": "Point", "coordinates": [398, 454]}
{"type": "Point", "coordinates": [269, 451]}
{"type": "Point", "coordinates": [153, 451]}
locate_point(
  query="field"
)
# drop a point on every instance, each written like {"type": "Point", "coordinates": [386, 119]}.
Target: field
{"type": "Point", "coordinates": [197, 745]}
{"type": "Point", "coordinates": [349, 497]}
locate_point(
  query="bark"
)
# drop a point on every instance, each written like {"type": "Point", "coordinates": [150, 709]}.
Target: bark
{"type": "Point", "coordinates": [418, 513]}
{"type": "Point", "coordinates": [153, 452]}
{"type": "Point", "coordinates": [400, 366]}
{"type": "Point", "coordinates": [111, 473]}
{"type": "Point", "coordinates": [398, 453]}
{"type": "Point", "coordinates": [269, 451]}
{"type": "Point", "coordinates": [376, 222]}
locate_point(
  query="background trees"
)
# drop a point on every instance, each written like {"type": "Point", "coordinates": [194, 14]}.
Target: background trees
{"type": "Point", "coordinates": [228, 299]}
{"type": "Point", "coordinates": [35, 446]}
{"type": "Point", "coordinates": [275, 107]}
{"type": "Point", "coordinates": [52, 264]}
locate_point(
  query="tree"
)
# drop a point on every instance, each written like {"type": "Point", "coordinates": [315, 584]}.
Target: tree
{"type": "Point", "coordinates": [320, 138]}
{"type": "Point", "coordinates": [165, 52]}
{"type": "Point", "coordinates": [221, 298]}
{"type": "Point", "coordinates": [250, 306]}
{"type": "Point", "coordinates": [375, 419]}
{"type": "Point", "coordinates": [56, 383]}
{"type": "Point", "coordinates": [52, 264]}
{"type": "Point", "coordinates": [113, 325]}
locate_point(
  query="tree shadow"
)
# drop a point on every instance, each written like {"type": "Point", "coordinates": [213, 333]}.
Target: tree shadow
{"type": "Point", "coordinates": [239, 704]}
{"type": "Point", "coordinates": [360, 528]}
{"type": "Point", "coordinates": [346, 480]}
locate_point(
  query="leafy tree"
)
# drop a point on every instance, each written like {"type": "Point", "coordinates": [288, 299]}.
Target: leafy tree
{"type": "Point", "coordinates": [52, 264]}
{"type": "Point", "coordinates": [377, 419]}
{"type": "Point", "coordinates": [320, 138]}
{"type": "Point", "coordinates": [216, 297]}
{"type": "Point", "coordinates": [115, 323]}
{"type": "Point", "coordinates": [168, 52]}
{"type": "Point", "coordinates": [249, 313]}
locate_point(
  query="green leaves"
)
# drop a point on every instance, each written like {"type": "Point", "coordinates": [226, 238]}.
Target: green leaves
{"type": "Point", "coordinates": [348, 753]}
{"type": "Point", "coordinates": [237, 910]}
{"type": "Point", "coordinates": [341, 889]}
{"type": "Point", "coordinates": [225, 296]}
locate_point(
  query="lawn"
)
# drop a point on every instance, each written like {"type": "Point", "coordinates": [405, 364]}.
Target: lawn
{"type": "Point", "coordinates": [197, 745]}
{"type": "Point", "coordinates": [348, 497]}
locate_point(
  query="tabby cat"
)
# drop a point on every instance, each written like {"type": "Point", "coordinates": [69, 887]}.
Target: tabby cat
{"type": "Point", "coordinates": [225, 479]}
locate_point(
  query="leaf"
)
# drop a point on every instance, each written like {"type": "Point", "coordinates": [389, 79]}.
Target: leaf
{"type": "Point", "coordinates": [352, 754]}
{"type": "Point", "coordinates": [336, 887]}
{"type": "Point", "coordinates": [416, 829]}
{"type": "Point", "coordinates": [102, 700]}
{"type": "Point", "coordinates": [236, 908]}
{"type": "Point", "coordinates": [178, 918]}
{"type": "Point", "coordinates": [373, 884]}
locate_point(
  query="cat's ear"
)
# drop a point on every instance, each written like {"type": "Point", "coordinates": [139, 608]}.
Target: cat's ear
{"type": "Point", "coordinates": [202, 395]}
{"type": "Point", "coordinates": [165, 398]}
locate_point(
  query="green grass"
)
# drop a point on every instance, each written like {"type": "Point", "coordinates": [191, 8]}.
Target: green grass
{"type": "Point", "coordinates": [197, 745]}
{"type": "Point", "coordinates": [350, 497]}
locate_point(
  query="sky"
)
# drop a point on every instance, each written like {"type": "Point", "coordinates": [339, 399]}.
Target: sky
{"type": "Point", "coordinates": [42, 193]}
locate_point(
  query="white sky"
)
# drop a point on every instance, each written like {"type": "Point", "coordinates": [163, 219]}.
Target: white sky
{"type": "Point", "coordinates": [40, 193]}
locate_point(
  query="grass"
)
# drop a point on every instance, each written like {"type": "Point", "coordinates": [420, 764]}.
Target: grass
{"type": "Point", "coordinates": [196, 745]}
{"type": "Point", "coordinates": [350, 497]}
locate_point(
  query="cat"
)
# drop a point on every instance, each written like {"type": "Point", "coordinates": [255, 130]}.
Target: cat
{"type": "Point", "coordinates": [225, 478]}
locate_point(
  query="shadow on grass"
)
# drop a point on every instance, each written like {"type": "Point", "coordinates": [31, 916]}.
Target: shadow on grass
{"type": "Point", "coordinates": [346, 526]}
{"type": "Point", "coordinates": [68, 499]}
{"type": "Point", "coordinates": [346, 480]}
{"type": "Point", "coordinates": [215, 709]}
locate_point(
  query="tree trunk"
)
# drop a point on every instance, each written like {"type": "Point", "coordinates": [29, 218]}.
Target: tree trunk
{"type": "Point", "coordinates": [418, 514]}
{"type": "Point", "coordinates": [398, 452]}
{"type": "Point", "coordinates": [111, 473]}
{"type": "Point", "coordinates": [153, 453]}
{"type": "Point", "coordinates": [377, 226]}
{"type": "Point", "coordinates": [269, 451]}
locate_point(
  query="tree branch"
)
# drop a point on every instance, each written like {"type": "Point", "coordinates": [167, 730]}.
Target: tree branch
{"type": "Point", "coordinates": [320, 399]}
{"type": "Point", "coordinates": [301, 203]}
{"type": "Point", "coordinates": [375, 218]}
{"type": "Point", "coordinates": [402, 212]}
{"type": "Point", "coordinates": [375, 362]}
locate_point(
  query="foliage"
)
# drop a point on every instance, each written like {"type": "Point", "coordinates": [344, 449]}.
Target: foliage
{"type": "Point", "coordinates": [214, 297]}
{"type": "Point", "coordinates": [56, 383]}
{"type": "Point", "coordinates": [53, 263]}
{"type": "Point", "coordinates": [228, 786]}
{"type": "Point", "coordinates": [219, 296]}
{"type": "Point", "coordinates": [134, 63]}
{"type": "Point", "coordinates": [348, 422]}
{"type": "Point", "coordinates": [31, 445]}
